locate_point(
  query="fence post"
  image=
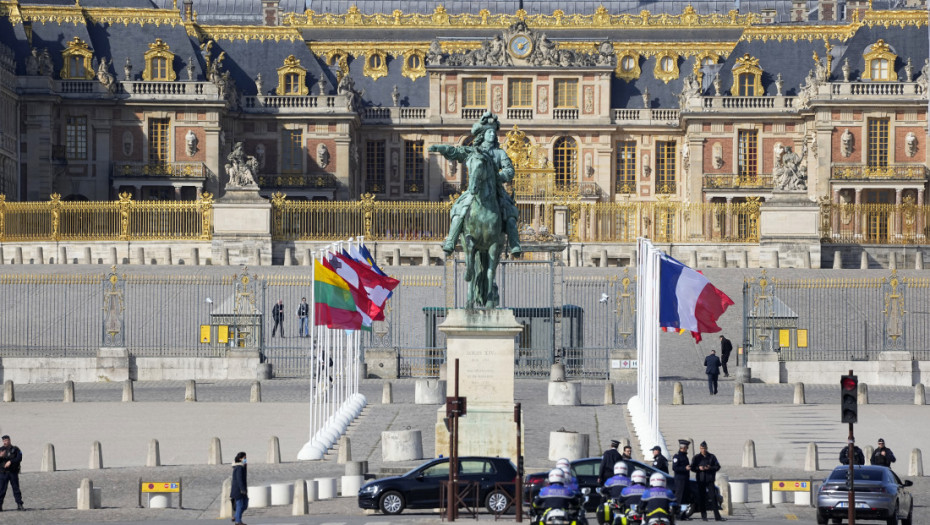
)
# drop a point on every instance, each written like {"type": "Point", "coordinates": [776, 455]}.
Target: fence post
{"type": "Point", "coordinates": [55, 208]}
{"type": "Point", "coordinates": [125, 202]}
{"type": "Point", "coordinates": [277, 215]}
{"type": "Point", "coordinates": [368, 209]}
{"type": "Point", "coordinates": [205, 206]}
{"type": "Point", "coordinates": [2, 217]}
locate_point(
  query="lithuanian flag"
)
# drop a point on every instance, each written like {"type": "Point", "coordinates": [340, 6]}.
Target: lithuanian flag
{"type": "Point", "coordinates": [334, 305]}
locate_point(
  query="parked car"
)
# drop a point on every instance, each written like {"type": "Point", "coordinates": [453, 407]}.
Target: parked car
{"type": "Point", "coordinates": [880, 495]}
{"type": "Point", "coordinates": [586, 470]}
{"type": "Point", "coordinates": [419, 488]}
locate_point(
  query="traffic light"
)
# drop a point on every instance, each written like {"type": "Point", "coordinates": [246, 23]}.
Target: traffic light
{"type": "Point", "coordinates": [849, 480]}
{"type": "Point", "coordinates": [849, 386]}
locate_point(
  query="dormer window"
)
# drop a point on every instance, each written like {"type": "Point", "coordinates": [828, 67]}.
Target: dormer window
{"type": "Point", "coordinates": [414, 65]}
{"type": "Point", "coordinates": [159, 61]}
{"type": "Point", "coordinates": [376, 64]}
{"type": "Point", "coordinates": [77, 61]}
{"type": "Point", "coordinates": [747, 77]}
{"type": "Point", "coordinates": [628, 66]}
{"type": "Point", "coordinates": [666, 68]}
{"type": "Point", "coordinates": [292, 78]}
{"type": "Point", "coordinates": [879, 63]}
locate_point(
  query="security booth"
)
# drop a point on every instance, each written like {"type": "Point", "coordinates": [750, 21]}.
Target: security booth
{"type": "Point", "coordinates": [232, 329]}
{"type": "Point", "coordinates": [770, 325]}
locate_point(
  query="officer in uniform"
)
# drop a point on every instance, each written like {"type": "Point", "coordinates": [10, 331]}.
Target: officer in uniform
{"type": "Point", "coordinates": [659, 461]}
{"type": "Point", "coordinates": [10, 459]}
{"type": "Point", "coordinates": [611, 457]}
{"type": "Point", "coordinates": [705, 467]}
{"type": "Point", "coordinates": [681, 466]}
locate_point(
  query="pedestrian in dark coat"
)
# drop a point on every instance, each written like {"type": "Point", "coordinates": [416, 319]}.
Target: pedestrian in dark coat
{"type": "Point", "coordinates": [239, 492]}
{"type": "Point", "coordinates": [681, 467]}
{"type": "Point", "coordinates": [725, 348]}
{"type": "Point", "coordinates": [11, 457]}
{"type": "Point", "coordinates": [712, 369]}
{"type": "Point", "coordinates": [883, 455]}
{"type": "Point", "coordinates": [277, 314]}
{"type": "Point", "coordinates": [705, 467]}
{"type": "Point", "coordinates": [659, 461]}
{"type": "Point", "coordinates": [857, 455]}
{"type": "Point", "coordinates": [611, 457]}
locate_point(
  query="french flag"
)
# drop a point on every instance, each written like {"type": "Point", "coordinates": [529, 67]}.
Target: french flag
{"type": "Point", "coordinates": [687, 300]}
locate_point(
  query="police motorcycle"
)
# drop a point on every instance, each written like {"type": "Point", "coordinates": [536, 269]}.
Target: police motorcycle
{"type": "Point", "coordinates": [557, 503]}
{"type": "Point", "coordinates": [657, 503]}
{"type": "Point", "coordinates": [632, 497]}
{"type": "Point", "coordinates": [612, 511]}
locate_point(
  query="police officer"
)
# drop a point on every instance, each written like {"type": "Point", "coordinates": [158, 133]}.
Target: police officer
{"type": "Point", "coordinates": [659, 461]}
{"type": "Point", "coordinates": [611, 457]}
{"type": "Point", "coordinates": [883, 455]}
{"type": "Point", "coordinates": [632, 495]}
{"type": "Point", "coordinates": [681, 466]}
{"type": "Point", "coordinates": [556, 495]}
{"type": "Point", "coordinates": [10, 459]}
{"type": "Point", "coordinates": [705, 467]}
{"type": "Point", "coordinates": [857, 455]}
{"type": "Point", "coordinates": [656, 498]}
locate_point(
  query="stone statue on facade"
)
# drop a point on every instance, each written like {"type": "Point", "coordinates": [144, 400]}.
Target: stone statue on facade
{"type": "Point", "coordinates": [846, 143]}
{"type": "Point", "coordinates": [485, 212]}
{"type": "Point", "coordinates": [910, 144]}
{"type": "Point", "coordinates": [691, 88]}
{"type": "Point", "coordinates": [127, 70]}
{"type": "Point", "coordinates": [32, 63]}
{"type": "Point", "coordinates": [434, 55]}
{"type": "Point", "coordinates": [606, 55]}
{"type": "Point", "coordinates": [909, 71]}
{"type": "Point", "coordinates": [190, 68]}
{"type": "Point", "coordinates": [45, 63]}
{"type": "Point", "coordinates": [242, 169]}
{"type": "Point", "coordinates": [105, 77]}
{"type": "Point", "coordinates": [779, 85]}
{"type": "Point", "coordinates": [395, 96]}
{"type": "Point", "coordinates": [347, 89]}
{"type": "Point", "coordinates": [790, 169]}
{"type": "Point", "coordinates": [259, 88]}
{"type": "Point", "coordinates": [190, 143]}
{"type": "Point", "coordinates": [922, 79]}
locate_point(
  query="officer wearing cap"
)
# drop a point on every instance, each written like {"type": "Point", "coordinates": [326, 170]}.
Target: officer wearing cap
{"type": "Point", "coordinates": [883, 455]}
{"type": "Point", "coordinates": [681, 467]}
{"type": "Point", "coordinates": [659, 461]}
{"type": "Point", "coordinates": [705, 467]}
{"type": "Point", "coordinates": [611, 457]}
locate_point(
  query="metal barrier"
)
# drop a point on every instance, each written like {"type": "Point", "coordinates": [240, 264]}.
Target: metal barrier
{"type": "Point", "coordinates": [906, 223]}
{"type": "Point", "coordinates": [669, 221]}
{"type": "Point", "coordinates": [847, 319]}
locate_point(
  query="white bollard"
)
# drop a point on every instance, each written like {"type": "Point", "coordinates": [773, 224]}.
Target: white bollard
{"type": "Point", "coordinates": [215, 455]}
{"type": "Point", "coordinates": [777, 496]}
{"type": "Point", "coordinates": [129, 394]}
{"type": "Point", "coordinates": [802, 498]}
{"type": "Point", "coordinates": [739, 397]}
{"type": "Point", "coordinates": [153, 459]}
{"type": "Point", "coordinates": [678, 394]}
{"type": "Point", "coordinates": [300, 506]}
{"type": "Point", "coordinates": [274, 451]}
{"type": "Point", "coordinates": [387, 394]}
{"type": "Point", "coordinates": [812, 461]}
{"type": "Point", "coordinates": [48, 459]}
{"type": "Point", "coordinates": [326, 488]}
{"type": "Point", "coordinates": [96, 456]}
{"type": "Point", "coordinates": [739, 491]}
{"type": "Point", "coordinates": [69, 392]}
{"type": "Point", "coordinates": [190, 392]}
{"type": "Point", "coordinates": [400, 445]}
{"type": "Point", "coordinates": [564, 393]}
{"type": "Point", "coordinates": [312, 490]}
{"type": "Point", "coordinates": [429, 392]}
{"type": "Point", "coordinates": [9, 394]}
{"type": "Point", "coordinates": [282, 494]}
{"type": "Point", "coordinates": [351, 485]}
{"type": "Point", "coordinates": [159, 501]}
{"type": "Point", "coordinates": [799, 398]}
{"type": "Point", "coordinates": [344, 450]}
{"type": "Point", "coordinates": [916, 465]}
{"type": "Point", "coordinates": [571, 445]}
{"type": "Point", "coordinates": [920, 396]}
{"type": "Point", "coordinates": [749, 454]}
{"type": "Point", "coordinates": [259, 496]}
{"type": "Point", "coordinates": [863, 394]}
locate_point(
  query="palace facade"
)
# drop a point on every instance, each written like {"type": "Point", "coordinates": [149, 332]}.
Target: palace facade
{"type": "Point", "coordinates": [705, 102]}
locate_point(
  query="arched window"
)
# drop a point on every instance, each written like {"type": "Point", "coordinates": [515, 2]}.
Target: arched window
{"type": "Point", "coordinates": [879, 60]}
{"type": "Point", "coordinates": [158, 63]}
{"type": "Point", "coordinates": [565, 161]}
{"type": "Point", "coordinates": [747, 85]}
{"type": "Point", "coordinates": [292, 84]}
{"type": "Point", "coordinates": [292, 78]}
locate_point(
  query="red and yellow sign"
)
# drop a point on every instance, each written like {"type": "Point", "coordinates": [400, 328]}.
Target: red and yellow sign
{"type": "Point", "coordinates": [791, 486]}
{"type": "Point", "coordinates": [160, 486]}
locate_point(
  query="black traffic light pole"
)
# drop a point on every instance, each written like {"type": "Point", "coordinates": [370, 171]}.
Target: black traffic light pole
{"type": "Point", "coordinates": [851, 516]}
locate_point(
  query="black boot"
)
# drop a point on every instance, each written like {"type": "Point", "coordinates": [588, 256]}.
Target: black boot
{"type": "Point", "coordinates": [19, 506]}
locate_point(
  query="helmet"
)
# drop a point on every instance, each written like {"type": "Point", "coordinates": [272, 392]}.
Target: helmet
{"type": "Point", "coordinates": [657, 480]}
{"type": "Point", "coordinates": [638, 477]}
{"type": "Point", "coordinates": [620, 469]}
{"type": "Point", "coordinates": [556, 476]}
{"type": "Point", "coordinates": [563, 464]}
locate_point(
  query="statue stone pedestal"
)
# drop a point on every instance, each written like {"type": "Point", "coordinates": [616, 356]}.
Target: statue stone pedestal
{"type": "Point", "coordinates": [789, 231]}
{"type": "Point", "coordinates": [242, 228]}
{"type": "Point", "coordinates": [484, 342]}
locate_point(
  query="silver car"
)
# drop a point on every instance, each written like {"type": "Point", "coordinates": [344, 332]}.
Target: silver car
{"type": "Point", "coordinates": [880, 495]}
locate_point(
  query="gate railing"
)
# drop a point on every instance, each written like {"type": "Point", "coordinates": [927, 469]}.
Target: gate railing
{"type": "Point", "coordinates": [905, 223]}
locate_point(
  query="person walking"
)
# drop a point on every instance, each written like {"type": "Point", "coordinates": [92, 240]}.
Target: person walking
{"type": "Point", "coordinates": [858, 456]}
{"type": "Point", "coordinates": [239, 492]}
{"type": "Point", "coordinates": [712, 369]}
{"type": "Point", "coordinates": [610, 458]}
{"type": "Point", "coordinates": [277, 314]}
{"type": "Point", "coordinates": [659, 461]}
{"type": "Point", "coordinates": [725, 348]}
{"type": "Point", "coordinates": [705, 467]}
{"type": "Point", "coordinates": [883, 455]}
{"type": "Point", "coordinates": [681, 469]}
{"type": "Point", "coordinates": [303, 316]}
{"type": "Point", "coordinates": [11, 458]}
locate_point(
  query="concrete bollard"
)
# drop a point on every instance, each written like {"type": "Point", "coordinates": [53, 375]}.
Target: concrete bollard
{"type": "Point", "coordinates": [344, 454]}
{"type": "Point", "coordinates": [69, 392]}
{"type": "Point", "coordinates": [692, 259]}
{"type": "Point", "coordinates": [429, 392]}
{"type": "Point", "coordinates": [387, 394]}
{"type": "Point", "coordinates": [609, 394]}
{"type": "Point", "coordinates": [918, 261]}
{"type": "Point", "coordinates": [2, 256]}
{"type": "Point", "coordinates": [425, 260]}
{"type": "Point", "coordinates": [351, 485]}
{"type": "Point", "coordinates": [215, 454]}
{"type": "Point", "coordinates": [443, 376]}
{"type": "Point", "coordinates": [557, 372]}
{"type": "Point", "coordinates": [802, 498]}
{"type": "Point", "coordinates": [18, 256]}
{"type": "Point", "coordinates": [283, 494]}
{"type": "Point", "coordinates": [153, 459]}
{"type": "Point", "coordinates": [864, 261]}
{"type": "Point", "coordinates": [96, 456]}
{"type": "Point", "coordinates": [920, 396]}
{"type": "Point", "coordinates": [863, 394]}
{"type": "Point", "coordinates": [326, 488]}
{"type": "Point", "coordinates": [40, 255]}
{"type": "Point", "coordinates": [723, 483]}
{"type": "Point", "coordinates": [739, 396]}
{"type": "Point", "coordinates": [567, 393]}
{"type": "Point", "coordinates": [255, 394]}
{"type": "Point", "coordinates": [603, 261]}
{"type": "Point", "coordinates": [837, 260]}
{"type": "Point", "coordinates": [190, 392]}
{"type": "Point", "coordinates": [869, 450]}
{"type": "Point", "coordinates": [195, 256]}
{"type": "Point", "coordinates": [799, 398]}
{"type": "Point", "coordinates": [739, 492]}
{"type": "Point", "coordinates": [259, 496]}
{"type": "Point", "coordinates": [401, 445]}
{"type": "Point", "coordinates": [169, 256]}
{"type": "Point", "coordinates": [743, 374]}
{"type": "Point", "coordinates": [274, 451]}
{"type": "Point", "coordinates": [129, 391]}
{"type": "Point", "coordinates": [140, 255]}
{"type": "Point", "coordinates": [812, 461]}
{"type": "Point", "coordinates": [678, 394]}
{"type": "Point", "coordinates": [749, 454]}
{"type": "Point", "coordinates": [48, 459]}
{"type": "Point", "coordinates": [892, 261]}
{"type": "Point", "coordinates": [85, 495]}
{"type": "Point", "coordinates": [300, 506]}
{"type": "Point", "coordinates": [744, 261]}
{"type": "Point", "coordinates": [288, 256]}
{"type": "Point", "coordinates": [224, 256]}
{"type": "Point", "coordinates": [777, 496]}
{"type": "Point", "coordinates": [571, 445]}
{"type": "Point", "coordinates": [88, 256]}
{"type": "Point", "coordinates": [114, 258]}
{"type": "Point", "coordinates": [916, 465]}
{"type": "Point", "coordinates": [312, 490]}
{"type": "Point", "coordinates": [395, 256]}
{"type": "Point", "coordinates": [356, 468]}
{"type": "Point", "coordinates": [226, 507]}
{"type": "Point", "coordinates": [9, 395]}
{"type": "Point", "coordinates": [723, 259]}
{"type": "Point", "coordinates": [308, 256]}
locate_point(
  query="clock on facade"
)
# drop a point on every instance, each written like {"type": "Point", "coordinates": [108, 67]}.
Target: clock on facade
{"type": "Point", "coordinates": [521, 46]}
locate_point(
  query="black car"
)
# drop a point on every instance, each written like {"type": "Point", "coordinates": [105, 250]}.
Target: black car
{"type": "Point", "coordinates": [586, 471]}
{"type": "Point", "coordinates": [419, 488]}
{"type": "Point", "coordinates": [880, 495]}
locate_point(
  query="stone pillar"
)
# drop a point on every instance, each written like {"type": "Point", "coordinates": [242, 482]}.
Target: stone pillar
{"type": "Point", "coordinates": [837, 260]}
{"type": "Point", "coordinates": [69, 392]}
{"type": "Point", "coordinates": [9, 395]}
{"type": "Point", "coordinates": [405, 445]}
{"type": "Point", "coordinates": [96, 456]}
{"type": "Point", "coordinates": [344, 453]}
{"type": "Point", "coordinates": [226, 508]}
{"type": "Point", "coordinates": [811, 462]}
{"type": "Point", "coordinates": [608, 393]}
{"type": "Point", "coordinates": [916, 465]}
{"type": "Point", "coordinates": [190, 391]}
{"type": "Point", "coordinates": [571, 445]}
{"type": "Point", "coordinates": [128, 391]}
{"type": "Point", "coordinates": [300, 506]}
{"type": "Point", "coordinates": [749, 454]}
{"type": "Point", "coordinates": [255, 393]}
{"type": "Point", "coordinates": [739, 397]}
{"type": "Point", "coordinates": [274, 450]}
{"type": "Point", "coordinates": [48, 459]}
{"type": "Point", "coordinates": [920, 397]}
{"type": "Point", "coordinates": [678, 395]}
{"type": "Point", "coordinates": [242, 225]}
{"type": "Point", "coordinates": [85, 499]}
{"type": "Point", "coordinates": [799, 394]}
{"type": "Point", "coordinates": [88, 258]}
{"type": "Point", "coordinates": [215, 454]}
{"type": "Point", "coordinates": [153, 459]}
{"type": "Point", "coordinates": [387, 394]}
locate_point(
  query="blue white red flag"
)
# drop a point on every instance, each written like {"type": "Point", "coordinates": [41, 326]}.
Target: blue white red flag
{"type": "Point", "coordinates": [687, 300]}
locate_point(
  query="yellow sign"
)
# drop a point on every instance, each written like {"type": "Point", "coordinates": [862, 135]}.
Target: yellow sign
{"type": "Point", "coordinates": [784, 338]}
{"type": "Point", "coordinates": [802, 338]}
{"type": "Point", "coordinates": [222, 334]}
{"type": "Point", "coordinates": [161, 486]}
{"type": "Point", "coordinates": [204, 333]}
{"type": "Point", "coordinates": [791, 486]}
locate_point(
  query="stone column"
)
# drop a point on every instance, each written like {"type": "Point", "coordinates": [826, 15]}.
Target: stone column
{"type": "Point", "coordinates": [343, 174]}
{"type": "Point", "coordinates": [898, 216]}
{"type": "Point", "coordinates": [213, 155]}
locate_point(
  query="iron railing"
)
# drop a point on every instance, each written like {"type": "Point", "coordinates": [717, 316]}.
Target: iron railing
{"type": "Point", "coordinates": [171, 170]}
{"type": "Point", "coordinates": [874, 223]}
{"type": "Point", "coordinates": [732, 181]}
{"type": "Point", "coordinates": [896, 172]}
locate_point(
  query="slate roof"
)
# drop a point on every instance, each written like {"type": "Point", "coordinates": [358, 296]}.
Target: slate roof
{"type": "Point", "coordinates": [245, 60]}
{"type": "Point", "coordinates": [117, 42]}
{"type": "Point", "coordinates": [231, 12]}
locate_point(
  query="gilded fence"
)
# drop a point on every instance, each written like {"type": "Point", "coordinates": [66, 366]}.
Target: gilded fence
{"type": "Point", "coordinates": [125, 219]}
{"type": "Point", "coordinates": [905, 223]}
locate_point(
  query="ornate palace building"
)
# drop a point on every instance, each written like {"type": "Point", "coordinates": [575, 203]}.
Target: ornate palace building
{"type": "Point", "coordinates": [614, 103]}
